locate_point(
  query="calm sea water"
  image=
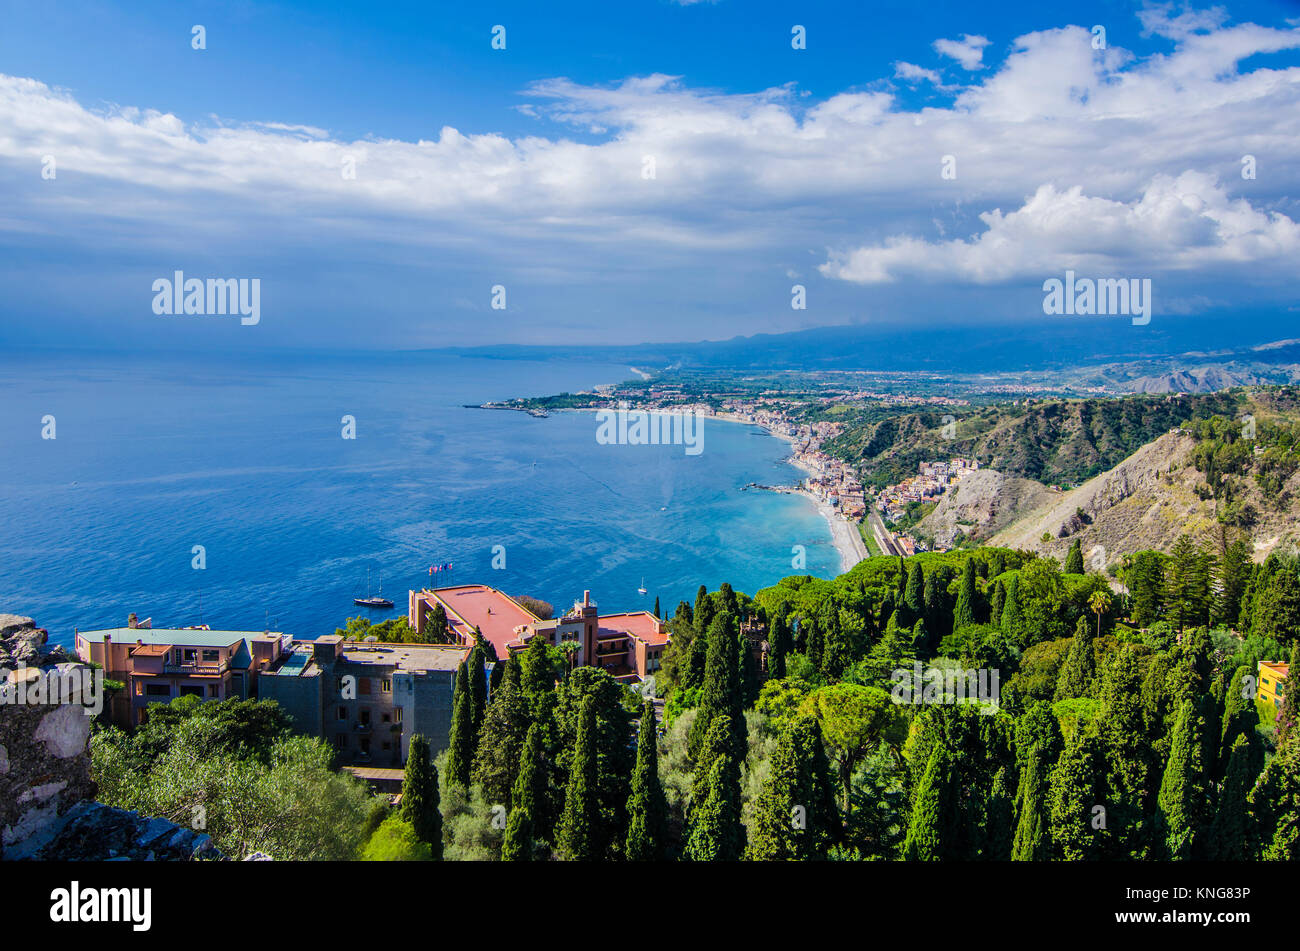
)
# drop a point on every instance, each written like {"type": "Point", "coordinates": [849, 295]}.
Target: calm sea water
{"type": "Point", "coordinates": [244, 456]}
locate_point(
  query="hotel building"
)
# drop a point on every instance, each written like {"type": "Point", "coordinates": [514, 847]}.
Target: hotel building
{"type": "Point", "coordinates": [630, 645]}
{"type": "Point", "coordinates": [1272, 682]}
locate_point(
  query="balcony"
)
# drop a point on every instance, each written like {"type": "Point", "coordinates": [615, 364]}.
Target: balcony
{"type": "Point", "coordinates": [197, 669]}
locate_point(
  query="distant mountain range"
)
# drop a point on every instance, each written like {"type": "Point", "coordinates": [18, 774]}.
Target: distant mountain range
{"type": "Point", "coordinates": [1187, 356]}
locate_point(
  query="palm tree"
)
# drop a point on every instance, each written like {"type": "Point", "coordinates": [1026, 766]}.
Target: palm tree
{"type": "Point", "coordinates": [1100, 604]}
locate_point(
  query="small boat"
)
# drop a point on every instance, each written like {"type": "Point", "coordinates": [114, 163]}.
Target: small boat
{"type": "Point", "coordinates": [375, 602]}
{"type": "Point", "coordinates": [642, 589]}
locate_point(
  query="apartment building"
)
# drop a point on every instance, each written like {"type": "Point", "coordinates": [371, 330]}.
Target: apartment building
{"type": "Point", "coordinates": [367, 699]}
{"type": "Point", "coordinates": [158, 665]}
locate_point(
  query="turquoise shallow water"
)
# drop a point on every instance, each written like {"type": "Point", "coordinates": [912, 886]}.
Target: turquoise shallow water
{"type": "Point", "coordinates": [244, 456]}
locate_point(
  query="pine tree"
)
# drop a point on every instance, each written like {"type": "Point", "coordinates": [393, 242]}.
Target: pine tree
{"type": "Point", "coordinates": [1074, 559]}
{"type": "Point", "coordinates": [715, 830]}
{"type": "Point", "coordinates": [930, 831]}
{"type": "Point", "coordinates": [1145, 577]}
{"type": "Point", "coordinates": [1079, 667]}
{"type": "Point", "coordinates": [577, 838]}
{"type": "Point", "coordinates": [1182, 791]}
{"type": "Point", "coordinates": [1032, 843]}
{"type": "Point", "coordinates": [460, 752]}
{"type": "Point", "coordinates": [1234, 574]}
{"type": "Point", "coordinates": [647, 809]}
{"type": "Point", "coordinates": [795, 816]}
{"type": "Point", "coordinates": [963, 615]}
{"type": "Point", "coordinates": [435, 626]}
{"type": "Point", "coordinates": [420, 799]}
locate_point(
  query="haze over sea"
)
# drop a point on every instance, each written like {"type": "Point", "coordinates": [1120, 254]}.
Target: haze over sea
{"type": "Point", "coordinates": [154, 455]}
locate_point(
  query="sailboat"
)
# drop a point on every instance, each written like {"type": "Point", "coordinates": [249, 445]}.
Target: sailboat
{"type": "Point", "coordinates": [641, 590]}
{"type": "Point", "coordinates": [375, 602]}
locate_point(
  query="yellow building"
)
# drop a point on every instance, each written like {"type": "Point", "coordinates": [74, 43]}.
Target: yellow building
{"type": "Point", "coordinates": [1272, 682]}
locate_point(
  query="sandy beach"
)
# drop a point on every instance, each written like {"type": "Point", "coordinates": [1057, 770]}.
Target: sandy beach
{"type": "Point", "coordinates": [844, 534]}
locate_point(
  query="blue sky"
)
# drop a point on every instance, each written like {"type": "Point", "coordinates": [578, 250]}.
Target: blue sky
{"type": "Point", "coordinates": [526, 167]}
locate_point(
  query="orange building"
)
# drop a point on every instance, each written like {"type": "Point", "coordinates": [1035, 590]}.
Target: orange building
{"type": "Point", "coordinates": [629, 645]}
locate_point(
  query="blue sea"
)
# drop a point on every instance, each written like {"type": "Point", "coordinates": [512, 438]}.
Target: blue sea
{"type": "Point", "coordinates": [244, 456]}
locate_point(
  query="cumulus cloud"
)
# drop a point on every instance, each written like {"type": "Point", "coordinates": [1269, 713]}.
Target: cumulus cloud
{"type": "Point", "coordinates": [969, 50]}
{"type": "Point", "coordinates": [1118, 155]}
{"type": "Point", "coordinates": [1178, 224]}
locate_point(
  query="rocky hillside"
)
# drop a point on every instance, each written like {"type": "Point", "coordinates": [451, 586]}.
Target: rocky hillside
{"type": "Point", "coordinates": [1146, 501]}
{"type": "Point", "coordinates": [982, 504]}
{"type": "Point", "coordinates": [1049, 441]}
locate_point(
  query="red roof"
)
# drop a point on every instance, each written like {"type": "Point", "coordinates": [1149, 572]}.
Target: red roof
{"type": "Point", "coordinates": [493, 612]}
{"type": "Point", "coordinates": [639, 624]}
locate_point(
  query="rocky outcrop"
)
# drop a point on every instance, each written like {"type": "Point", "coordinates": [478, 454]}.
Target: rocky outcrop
{"type": "Point", "coordinates": [47, 807]}
{"type": "Point", "coordinates": [981, 504]}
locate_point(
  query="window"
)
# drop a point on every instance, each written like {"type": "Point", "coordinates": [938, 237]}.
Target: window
{"type": "Point", "coordinates": [214, 690]}
{"type": "Point", "coordinates": [188, 655]}
{"type": "Point", "coordinates": [363, 686]}
{"type": "Point", "coordinates": [365, 745]}
{"type": "Point", "coordinates": [211, 656]}
{"type": "Point", "coordinates": [340, 741]}
{"type": "Point", "coordinates": [386, 686]}
{"type": "Point", "coordinates": [343, 713]}
{"type": "Point", "coordinates": [365, 717]}
{"type": "Point", "coordinates": [157, 690]}
{"type": "Point", "coordinates": [387, 718]}
{"type": "Point", "coordinates": [191, 690]}
{"type": "Point", "coordinates": [397, 714]}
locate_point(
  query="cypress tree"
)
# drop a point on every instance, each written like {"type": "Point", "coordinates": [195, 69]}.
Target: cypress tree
{"type": "Point", "coordinates": [696, 661]}
{"type": "Point", "coordinates": [460, 752]}
{"type": "Point", "coordinates": [1131, 764]}
{"type": "Point", "coordinates": [1182, 791]}
{"type": "Point", "coordinates": [1285, 726]}
{"type": "Point", "coordinates": [501, 739]}
{"type": "Point", "coordinates": [477, 686]}
{"type": "Point", "coordinates": [930, 832]}
{"type": "Point", "coordinates": [914, 596]}
{"type": "Point", "coordinates": [1079, 667]}
{"type": "Point", "coordinates": [1275, 805]}
{"type": "Point", "coordinates": [795, 816]}
{"type": "Point", "coordinates": [577, 838]}
{"type": "Point", "coordinates": [1031, 841]}
{"type": "Point", "coordinates": [1074, 559]}
{"type": "Point", "coordinates": [1011, 619]}
{"type": "Point", "coordinates": [720, 692]}
{"type": "Point", "coordinates": [657, 614]}
{"type": "Point", "coordinates": [778, 647]}
{"type": "Point", "coordinates": [518, 844]}
{"type": "Point", "coordinates": [1230, 835]}
{"type": "Point", "coordinates": [1000, 818]}
{"type": "Point", "coordinates": [420, 799]}
{"type": "Point", "coordinates": [998, 563]}
{"type": "Point", "coordinates": [963, 615]}
{"type": "Point", "coordinates": [647, 808]}
{"type": "Point", "coordinates": [995, 603]}
{"type": "Point", "coordinates": [703, 612]}
{"type": "Point", "coordinates": [537, 674]}
{"type": "Point", "coordinates": [934, 601]}
{"type": "Point", "coordinates": [716, 833]}
{"type": "Point", "coordinates": [532, 792]}
{"type": "Point", "coordinates": [1074, 793]}
{"type": "Point", "coordinates": [1239, 717]}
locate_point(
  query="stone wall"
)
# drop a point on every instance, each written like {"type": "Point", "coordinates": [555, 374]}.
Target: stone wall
{"type": "Point", "coordinates": [47, 807]}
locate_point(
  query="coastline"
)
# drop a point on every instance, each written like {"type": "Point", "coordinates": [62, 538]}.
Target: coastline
{"type": "Point", "coordinates": [845, 536]}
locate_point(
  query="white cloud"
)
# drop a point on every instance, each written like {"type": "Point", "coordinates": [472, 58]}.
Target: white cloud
{"type": "Point", "coordinates": [1178, 224]}
{"type": "Point", "coordinates": [969, 50]}
{"type": "Point", "coordinates": [913, 73]}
